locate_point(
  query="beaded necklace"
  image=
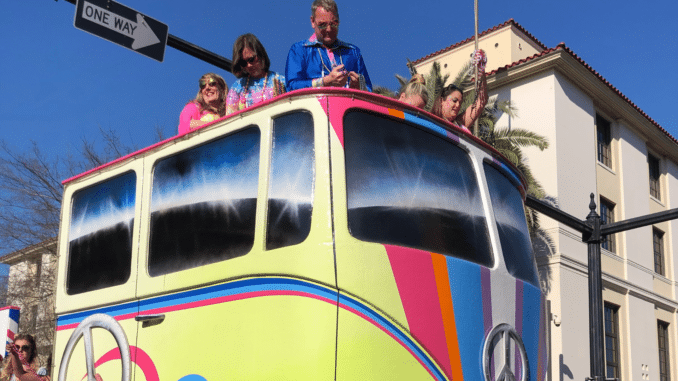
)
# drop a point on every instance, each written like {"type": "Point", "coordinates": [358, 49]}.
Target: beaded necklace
{"type": "Point", "coordinates": [27, 365]}
{"type": "Point", "coordinates": [341, 60]}
{"type": "Point", "coordinates": [263, 89]}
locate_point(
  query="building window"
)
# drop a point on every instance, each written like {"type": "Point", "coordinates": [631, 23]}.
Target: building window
{"type": "Point", "coordinates": [607, 217]}
{"type": "Point", "coordinates": [658, 248]}
{"type": "Point", "coordinates": [604, 141]}
{"type": "Point", "coordinates": [653, 164]}
{"type": "Point", "coordinates": [664, 362]}
{"type": "Point", "coordinates": [612, 341]}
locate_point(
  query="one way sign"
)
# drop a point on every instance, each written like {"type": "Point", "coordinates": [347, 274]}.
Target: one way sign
{"type": "Point", "coordinates": [122, 25]}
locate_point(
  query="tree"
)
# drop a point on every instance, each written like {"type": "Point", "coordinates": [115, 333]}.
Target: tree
{"type": "Point", "coordinates": [30, 206]}
{"type": "Point", "coordinates": [31, 190]}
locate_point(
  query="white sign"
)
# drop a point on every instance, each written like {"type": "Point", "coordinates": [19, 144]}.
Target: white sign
{"type": "Point", "coordinates": [140, 31]}
{"type": "Point", "coordinates": [122, 25]}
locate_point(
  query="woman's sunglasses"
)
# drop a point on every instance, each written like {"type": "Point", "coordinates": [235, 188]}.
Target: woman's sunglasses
{"type": "Point", "coordinates": [24, 348]}
{"type": "Point", "coordinates": [211, 83]}
{"type": "Point", "coordinates": [250, 60]}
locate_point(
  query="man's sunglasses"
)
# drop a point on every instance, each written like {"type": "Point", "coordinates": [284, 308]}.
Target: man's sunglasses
{"type": "Point", "coordinates": [324, 25]}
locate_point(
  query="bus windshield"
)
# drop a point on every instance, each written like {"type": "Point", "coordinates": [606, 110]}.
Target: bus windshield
{"type": "Point", "coordinates": [409, 187]}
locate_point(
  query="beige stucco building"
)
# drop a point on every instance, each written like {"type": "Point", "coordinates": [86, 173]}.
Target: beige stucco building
{"type": "Point", "coordinates": [601, 143]}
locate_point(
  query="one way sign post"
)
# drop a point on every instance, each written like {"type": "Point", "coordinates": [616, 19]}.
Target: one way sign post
{"type": "Point", "coordinates": [122, 25]}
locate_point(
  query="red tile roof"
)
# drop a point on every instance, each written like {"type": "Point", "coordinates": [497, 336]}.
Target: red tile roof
{"type": "Point", "coordinates": [509, 22]}
{"type": "Point", "coordinates": [563, 47]}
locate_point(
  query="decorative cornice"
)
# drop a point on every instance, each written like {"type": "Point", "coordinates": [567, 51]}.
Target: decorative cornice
{"type": "Point", "coordinates": [613, 282]}
{"type": "Point", "coordinates": [510, 22]}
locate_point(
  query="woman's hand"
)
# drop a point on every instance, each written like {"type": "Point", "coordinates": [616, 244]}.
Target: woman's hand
{"type": "Point", "coordinates": [11, 349]}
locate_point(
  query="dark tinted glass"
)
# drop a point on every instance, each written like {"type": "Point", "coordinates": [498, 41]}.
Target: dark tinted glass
{"type": "Point", "coordinates": [290, 193]}
{"type": "Point", "coordinates": [100, 235]}
{"type": "Point", "coordinates": [514, 236]}
{"type": "Point", "coordinates": [409, 187]}
{"type": "Point", "coordinates": [203, 204]}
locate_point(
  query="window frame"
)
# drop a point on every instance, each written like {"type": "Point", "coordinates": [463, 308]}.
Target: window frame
{"type": "Point", "coordinates": [604, 132]}
{"type": "Point", "coordinates": [274, 180]}
{"type": "Point", "coordinates": [654, 172]}
{"type": "Point", "coordinates": [156, 266]}
{"type": "Point", "coordinates": [658, 251]}
{"type": "Point", "coordinates": [663, 349]}
{"type": "Point", "coordinates": [483, 254]}
{"type": "Point", "coordinates": [607, 207]}
{"type": "Point", "coordinates": [614, 336]}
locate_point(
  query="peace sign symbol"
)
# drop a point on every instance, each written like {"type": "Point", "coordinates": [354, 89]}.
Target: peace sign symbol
{"type": "Point", "coordinates": [84, 329]}
{"type": "Point", "coordinates": [505, 335]}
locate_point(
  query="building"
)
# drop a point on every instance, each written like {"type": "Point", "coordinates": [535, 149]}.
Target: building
{"type": "Point", "coordinates": [601, 143]}
{"type": "Point", "coordinates": [31, 287]}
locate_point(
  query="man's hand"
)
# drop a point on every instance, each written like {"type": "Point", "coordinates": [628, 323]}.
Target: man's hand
{"type": "Point", "coordinates": [354, 83]}
{"type": "Point", "coordinates": [337, 77]}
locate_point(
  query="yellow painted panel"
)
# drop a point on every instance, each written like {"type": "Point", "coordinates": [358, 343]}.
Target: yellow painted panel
{"type": "Point", "coordinates": [277, 337]}
{"type": "Point", "coordinates": [365, 352]}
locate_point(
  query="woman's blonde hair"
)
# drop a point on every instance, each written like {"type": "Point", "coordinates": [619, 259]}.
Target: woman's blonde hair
{"type": "Point", "coordinates": [416, 86]}
{"type": "Point", "coordinates": [221, 84]}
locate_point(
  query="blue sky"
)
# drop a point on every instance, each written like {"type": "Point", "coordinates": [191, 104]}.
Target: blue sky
{"type": "Point", "coordinates": [59, 84]}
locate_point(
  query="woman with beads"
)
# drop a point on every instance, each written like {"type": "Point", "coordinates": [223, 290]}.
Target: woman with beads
{"type": "Point", "coordinates": [208, 105]}
{"type": "Point", "coordinates": [255, 82]}
{"type": "Point", "coordinates": [448, 104]}
{"type": "Point", "coordinates": [22, 361]}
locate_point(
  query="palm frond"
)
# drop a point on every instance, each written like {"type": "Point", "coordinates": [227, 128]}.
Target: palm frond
{"type": "Point", "coordinates": [403, 82]}
{"type": "Point", "coordinates": [521, 138]}
{"type": "Point", "coordinates": [463, 77]}
{"type": "Point", "coordinates": [381, 90]}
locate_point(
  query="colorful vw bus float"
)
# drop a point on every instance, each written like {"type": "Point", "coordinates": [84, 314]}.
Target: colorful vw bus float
{"type": "Point", "coordinates": [326, 234]}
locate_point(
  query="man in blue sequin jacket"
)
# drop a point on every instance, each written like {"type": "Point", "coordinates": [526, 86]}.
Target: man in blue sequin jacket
{"type": "Point", "coordinates": [323, 59]}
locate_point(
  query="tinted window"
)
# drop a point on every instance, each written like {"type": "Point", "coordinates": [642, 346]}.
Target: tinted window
{"type": "Point", "coordinates": [514, 236]}
{"type": "Point", "coordinates": [290, 193]}
{"type": "Point", "coordinates": [203, 204]}
{"type": "Point", "coordinates": [408, 187]}
{"type": "Point", "coordinates": [100, 235]}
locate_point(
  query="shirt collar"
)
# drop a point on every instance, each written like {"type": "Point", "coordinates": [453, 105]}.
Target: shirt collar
{"type": "Point", "coordinates": [313, 41]}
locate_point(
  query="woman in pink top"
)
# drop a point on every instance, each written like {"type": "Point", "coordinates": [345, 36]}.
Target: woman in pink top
{"type": "Point", "coordinates": [208, 105]}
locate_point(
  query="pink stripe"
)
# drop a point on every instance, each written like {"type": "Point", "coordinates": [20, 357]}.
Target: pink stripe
{"type": "Point", "coordinates": [137, 355]}
{"type": "Point", "coordinates": [336, 123]}
{"type": "Point", "coordinates": [230, 298]}
{"type": "Point", "coordinates": [10, 334]}
{"type": "Point", "coordinates": [415, 278]}
{"type": "Point", "coordinates": [390, 334]}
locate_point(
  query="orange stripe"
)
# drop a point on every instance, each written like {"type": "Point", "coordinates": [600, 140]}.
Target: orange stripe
{"type": "Point", "coordinates": [396, 113]}
{"type": "Point", "coordinates": [445, 296]}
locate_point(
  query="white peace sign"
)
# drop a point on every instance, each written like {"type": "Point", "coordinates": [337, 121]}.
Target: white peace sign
{"type": "Point", "coordinates": [508, 336]}
{"type": "Point", "coordinates": [84, 329]}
